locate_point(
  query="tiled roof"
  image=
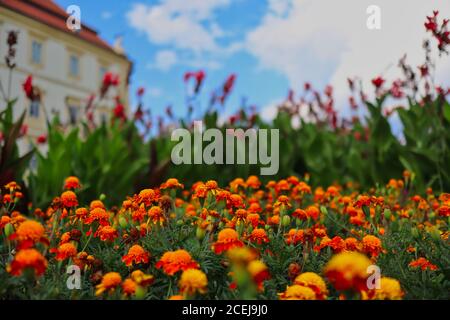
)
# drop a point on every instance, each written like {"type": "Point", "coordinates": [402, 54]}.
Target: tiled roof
{"type": "Point", "coordinates": [49, 13]}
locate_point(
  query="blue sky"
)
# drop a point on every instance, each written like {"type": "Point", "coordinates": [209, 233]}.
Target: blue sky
{"type": "Point", "coordinates": [272, 45]}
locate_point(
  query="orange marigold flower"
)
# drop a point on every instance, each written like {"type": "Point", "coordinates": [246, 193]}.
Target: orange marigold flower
{"type": "Point", "coordinates": [297, 292]}
{"type": "Point", "coordinates": [352, 244]}
{"type": "Point", "coordinates": [235, 201]}
{"type": "Point", "coordinates": [66, 251]}
{"type": "Point", "coordinates": [107, 233]}
{"type": "Point", "coordinates": [98, 215]}
{"type": "Point", "coordinates": [147, 196]}
{"type": "Point", "coordinates": [303, 187]}
{"type": "Point", "coordinates": [129, 287]}
{"type": "Point", "coordinates": [28, 259]}
{"type": "Point", "coordinates": [423, 263]}
{"type": "Point", "coordinates": [136, 254]}
{"type": "Point", "coordinates": [362, 201]}
{"type": "Point", "coordinates": [171, 183]}
{"type": "Point", "coordinates": [174, 261]}
{"type": "Point", "coordinates": [141, 278]}
{"type": "Point", "coordinates": [348, 271]}
{"type": "Point", "coordinates": [156, 214]}
{"type": "Point", "coordinates": [444, 211]}
{"type": "Point", "coordinates": [300, 214]}
{"type": "Point", "coordinates": [236, 183]}
{"type": "Point", "coordinates": [211, 185]}
{"type": "Point", "coordinates": [259, 236]}
{"type": "Point", "coordinates": [282, 200]}
{"type": "Point", "coordinates": [313, 212]}
{"type": "Point", "coordinates": [253, 182]}
{"type": "Point", "coordinates": [371, 245]}
{"type": "Point", "coordinates": [193, 281]}
{"type": "Point", "coordinates": [176, 297]}
{"type": "Point", "coordinates": [81, 213]}
{"type": "Point", "coordinates": [253, 219]}
{"type": "Point", "coordinates": [28, 233]}
{"type": "Point", "coordinates": [314, 282]}
{"type": "Point", "coordinates": [96, 204]}
{"type": "Point", "coordinates": [71, 183]}
{"type": "Point", "coordinates": [12, 186]}
{"type": "Point", "coordinates": [109, 283]}
{"type": "Point", "coordinates": [227, 239]}
{"type": "Point", "coordinates": [295, 236]}
{"type": "Point", "coordinates": [69, 199]}
{"type": "Point", "coordinates": [4, 220]}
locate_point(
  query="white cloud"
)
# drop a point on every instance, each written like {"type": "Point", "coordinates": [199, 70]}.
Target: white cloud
{"type": "Point", "coordinates": [164, 60]}
{"type": "Point", "coordinates": [326, 41]}
{"type": "Point", "coordinates": [106, 15]}
{"type": "Point", "coordinates": [154, 92]}
{"type": "Point", "coordinates": [180, 23]}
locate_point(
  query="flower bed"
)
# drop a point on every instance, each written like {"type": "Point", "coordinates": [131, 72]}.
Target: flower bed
{"type": "Point", "coordinates": [284, 240]}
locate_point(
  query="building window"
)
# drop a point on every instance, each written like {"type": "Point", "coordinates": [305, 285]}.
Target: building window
{"type": "Point", "coordinates": [36, 52]}
{"type": "Point", "coordinates": [73, 115]}
{"type": "Point", "coordinates": [102, 73]}
{"type": "Point", "coordinates": [34, 108]}
{"type": "Point", "coordinates": [74, 66]}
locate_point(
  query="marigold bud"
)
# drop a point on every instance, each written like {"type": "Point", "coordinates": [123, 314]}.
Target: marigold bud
{"type": "Point", "coordinates": [286, 221]}
{"type": "Point", "coordinates": [9, 230]}
{"type": "Point", "coordinates": [387, 214]}
{"type": "Point", "coordinates": [123, 222]}
{"type": "Point", "coordinates": [200, 233]}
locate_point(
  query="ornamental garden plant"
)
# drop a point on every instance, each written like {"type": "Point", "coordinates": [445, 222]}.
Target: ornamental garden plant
{"type": "Point", "coordinates": [354, 211]}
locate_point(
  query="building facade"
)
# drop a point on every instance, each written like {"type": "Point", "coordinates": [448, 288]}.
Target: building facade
{"type": "Point", "coordinates": [67, 67]}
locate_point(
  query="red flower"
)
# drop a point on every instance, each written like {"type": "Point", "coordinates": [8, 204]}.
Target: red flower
{"type": "Point", "coordinates": [140, 92]}
{"type": "Point", "coordinates": [199, 76]}
{"type": "Point", "coordinates": [378, 82]}
{"type": "Point", "coordinates": [28, 87]}
{"type": "Point", "coordinates": [41, 139]}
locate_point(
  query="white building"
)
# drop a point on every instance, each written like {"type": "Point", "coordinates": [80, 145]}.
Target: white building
{"type": "Point", "coordinates": [67, 67]}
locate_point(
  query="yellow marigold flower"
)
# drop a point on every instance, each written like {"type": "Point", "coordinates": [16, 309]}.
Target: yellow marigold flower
{"type": "Point", "coordinates": [390, 290]}
{"type": "Point", "coordinates": [71, 183]}
{"type": "Point", "coordinates": [69, 199]}
{"type": "Point", "coordinates": [297, 292]}
{"type": "Point", "coordinates": [129, 287]}
{"type": "Point", "coordinates": [136, 254]}
{"type": "Point", "coordinates": [259, 272]}
{"type": "Point", "coordinates": [28, 259]}
{"type": "Point", "coordinates": [141, 278]}
{"type": "Point", "coordinates": [314, 282]}
{"type": "Point", "coordinates": [192, 281]}
{"type": "Point", "coordinates": [348, 270]}
{"type": "Point", "coordinates": [241, 255]}
{"type": "Point", "coordinates": [109, 283]}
